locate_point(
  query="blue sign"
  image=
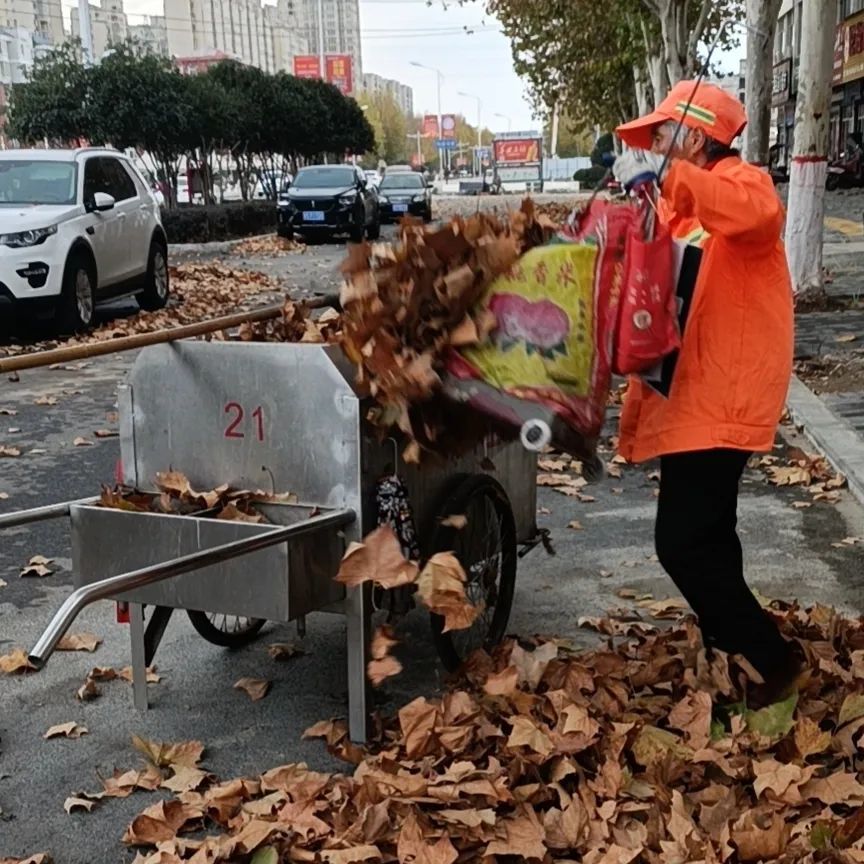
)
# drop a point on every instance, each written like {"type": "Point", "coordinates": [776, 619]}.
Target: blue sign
{"type": "Point", "coordinates": [446, 144]}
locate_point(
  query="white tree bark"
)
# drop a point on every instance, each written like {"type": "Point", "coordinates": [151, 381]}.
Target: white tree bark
{"type": "Point", "coordinates": [810, 156]}
{"type": "Point", "coordinates": [644, 102]}
{"type": "Point", "coordinates": [680, 35]}
{"type": "Point", "coordinates": [762, 17]}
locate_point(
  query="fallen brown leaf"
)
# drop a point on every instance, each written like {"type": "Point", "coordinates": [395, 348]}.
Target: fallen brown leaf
{"type": "Point", "coordinates": [15, 663]}
{"type": "Point", "coordinates": [186, 753]}
{"type": "Point", "coordinates": [82, 442]}
{"type": "Point", "coordinates": [66, 730]}
{"type": "Point", "coordinates": [79, 642]}
{"type": "Point", "coordinates": [284, 650]}
{"type": "Point", "coordinates": [72, 803]}
{"type": "Point", "coordinates": [377, 559]}
{"type": "Point", "coordinates": [255, 688]}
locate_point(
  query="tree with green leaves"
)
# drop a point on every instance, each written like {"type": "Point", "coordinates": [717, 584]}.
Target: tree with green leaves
{"type": "Point", "coordinates": [602, 66]}
{"type": "Point", "coordinates": [141, 100]}
{"type": "Point", "coordinates": [52, 104]}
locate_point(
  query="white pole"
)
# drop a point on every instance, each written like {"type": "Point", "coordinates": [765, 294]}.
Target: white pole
{"type": "Point", "coordinates": [553, 144]}
{"type": "Point", "coordinates": [804, 226]}
{"type": "Point", "coordinates": [440, 127]}
{"type": "Point", "coordinates": [321, 56]}
{"type": "Point", "coordinates": [86, 31]}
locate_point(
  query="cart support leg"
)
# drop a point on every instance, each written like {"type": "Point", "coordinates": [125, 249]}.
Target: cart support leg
{"type": "Point", "coordinates": [139, 659]}
{"type": "Point", "coordinates": [358, 607]}
{"type": "Point", "coordinates": [159, 619]}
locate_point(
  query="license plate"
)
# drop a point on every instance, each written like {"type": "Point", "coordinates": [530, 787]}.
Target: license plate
{"type": "Point", "coordinates": [400, 208]}
{"type": "Point", "coordinates": [313, 216]}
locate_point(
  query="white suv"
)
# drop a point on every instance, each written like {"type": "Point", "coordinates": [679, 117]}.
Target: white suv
{"type": "Point", "coordinates": [78, 227]}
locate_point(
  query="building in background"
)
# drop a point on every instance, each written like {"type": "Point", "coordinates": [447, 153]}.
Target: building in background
{"type": "Point", "coordinates": [38, 16]}
{"type": "Point", "coordinates": [847, 103]}
{"type": "Point", "coordinates": [108, 25]}
{"type": "Point", "coordinates": [151, 32]}
{"type": "Point", "coordinates": [268, 37]}
{"type": "Point", "coordinates": [402, 93]}
{"type": "Point", "coordinates": [341, 29]}
{"type": "Point", "coordinates": [16, 54]}
{"type": "Point", "coordinates": [198, 64]}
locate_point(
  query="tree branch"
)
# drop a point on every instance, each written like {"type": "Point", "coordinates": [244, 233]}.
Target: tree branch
{"type": "Point", "coordinates": [698, 29]}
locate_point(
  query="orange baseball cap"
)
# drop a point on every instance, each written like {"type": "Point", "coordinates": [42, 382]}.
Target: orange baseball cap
{"type": "Point", "coordinates": [720, 115]}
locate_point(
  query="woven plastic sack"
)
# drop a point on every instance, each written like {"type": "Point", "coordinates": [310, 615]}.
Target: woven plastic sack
{"type": "Point", "coordinates": [557, 312]}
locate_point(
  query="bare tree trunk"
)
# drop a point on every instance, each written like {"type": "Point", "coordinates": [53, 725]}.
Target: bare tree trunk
{"type": "Point", "coordinates": [644, 102]}
{"type": "Point", "coordinates": [810, 157]}
{"type": "Point", "coordinates": [762, 17]}
{"type": "Point", "coordinates": [657, 70]}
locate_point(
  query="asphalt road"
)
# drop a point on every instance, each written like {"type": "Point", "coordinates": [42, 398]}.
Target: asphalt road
{"type": "Point", "coordinates": [789, 554]}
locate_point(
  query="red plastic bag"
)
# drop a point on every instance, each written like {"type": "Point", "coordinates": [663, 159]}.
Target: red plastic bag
{"type": "Point", "coordinates": [648, 315]}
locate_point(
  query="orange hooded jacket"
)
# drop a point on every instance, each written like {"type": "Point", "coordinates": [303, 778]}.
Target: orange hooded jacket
{"type": "Point", "coordinates": [735, 364]}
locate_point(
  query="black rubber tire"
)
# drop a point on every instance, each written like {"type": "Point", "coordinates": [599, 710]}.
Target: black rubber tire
{"type": "Point", "coordinates": [68, 317]}
{"type": "Point", "coordinates": [475, 496]}
{"type": "Point", "coordinates": [427, 216]}
{"type": "Point", "coordinates": [286, 232]}
{"type": "Point", "coordinates": [213, 634]}
{"type": "Point", "coordinates": [150, 299]}
{"type": "Point", "coordinates": [373, 232]}
{"type": "Point", "coordinates": [832, 182]}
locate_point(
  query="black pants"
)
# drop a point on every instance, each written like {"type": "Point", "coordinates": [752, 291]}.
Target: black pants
{"type": "Point", "coordinates": [698, 546]}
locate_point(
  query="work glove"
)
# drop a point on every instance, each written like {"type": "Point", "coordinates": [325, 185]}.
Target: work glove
{"type": "Point", "coordinates": [635, 167]}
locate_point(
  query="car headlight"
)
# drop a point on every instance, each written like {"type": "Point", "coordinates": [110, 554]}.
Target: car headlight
{"type": "Point", "coordinates": [348, 198]}
{"type": "Point", "coordinates": [419, 198]}
{"type": "Point", "coordinates": [23, 239]}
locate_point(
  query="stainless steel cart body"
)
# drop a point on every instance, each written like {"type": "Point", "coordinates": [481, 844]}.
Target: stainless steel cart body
{"type": "Point", "coordinates": [275, 417]}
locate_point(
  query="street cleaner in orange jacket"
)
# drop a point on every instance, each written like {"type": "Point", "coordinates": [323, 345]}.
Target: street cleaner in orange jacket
{"type": "Point", "coordinates": [729, 388]}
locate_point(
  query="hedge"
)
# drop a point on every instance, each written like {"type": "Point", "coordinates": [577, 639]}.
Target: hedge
{"type": "Point", "coordinates": [198, 224]}
{"type": "Point", "coordinates": [590, 177]}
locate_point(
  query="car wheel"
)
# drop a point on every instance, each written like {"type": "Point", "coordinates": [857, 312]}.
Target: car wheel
{"type": "Point", "coordinates": [832, 182]}
{"type": "Point", "coordinates": [286, 232]}
{"type": "Point", "coordinates": [77, 304]}
{"type": "Point", "coordinates": [373, 232]}
{"type": "Point", "coordinates": [427, 216]}
{"type": "Point", "coordinates": [157, 288]}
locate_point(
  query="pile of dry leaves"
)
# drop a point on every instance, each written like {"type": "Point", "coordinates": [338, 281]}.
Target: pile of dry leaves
{"type": "Point", "coordinates": [295, 324]}
{"type": "Point", "coordinates": [406, 306]}
{"type": "Point", "coordinates": [268, 246]}
{"type": "Point", "coordinates": [176, 497]}
{"type": "Point", "coordinates": [610, 756]}
{"type": "Point", "coordinates": [199, 292]}
{"type": "Point", "coordinates": [812, 472]}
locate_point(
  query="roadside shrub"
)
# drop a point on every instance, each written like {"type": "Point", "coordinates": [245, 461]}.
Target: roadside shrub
{"type": "Point", "coordinates": [193, 224]}
{"type": "Point", "coordinates": [590, 177]}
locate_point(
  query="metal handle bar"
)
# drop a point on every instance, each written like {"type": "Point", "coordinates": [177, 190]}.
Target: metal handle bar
{"type": "Point", "coordinates": [107, 588]}
{"type": "Point", "coordinates": [41, 514]}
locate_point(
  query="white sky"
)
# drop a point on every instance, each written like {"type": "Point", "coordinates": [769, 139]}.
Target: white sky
{"type": "Point", "coordinates": [397, 32]}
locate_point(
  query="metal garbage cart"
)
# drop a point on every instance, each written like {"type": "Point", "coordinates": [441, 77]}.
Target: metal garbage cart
{"type": "Point", "coordinates": [284, 418]}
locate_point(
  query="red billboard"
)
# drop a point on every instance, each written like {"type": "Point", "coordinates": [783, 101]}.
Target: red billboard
{"type": "Point", "coordinates": [517, 151]}
{"type": "Point", "coordinates": [307, 66]}
{"type": "Point", "coordinates": [340, 72]}
{"type": "Point", "coordinates": [430, 126]}
{"type": "Point", "coordinates": [448, 126]}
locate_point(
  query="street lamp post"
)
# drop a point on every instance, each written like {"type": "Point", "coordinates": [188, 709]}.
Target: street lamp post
{"type": "Point", "coordinates": [479, 127]}
{"type": "Point", "coordinates": [440, 76]}
{"type": "Point", "coordinates": [508, 119]}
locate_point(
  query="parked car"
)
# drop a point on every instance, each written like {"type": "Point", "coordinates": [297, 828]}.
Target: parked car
{"type": "Point", "coordinates": [405, 194]}
{"type": "Point", "coordinates": [78, 227]}
{"type": "Point", "coordinates": [399, 169]}
{"type": "Point", "coordinates": [330, 199]}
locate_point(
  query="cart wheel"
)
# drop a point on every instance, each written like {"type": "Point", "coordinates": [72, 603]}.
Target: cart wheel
{"type": "Point", "coordinates": [228, 631]}
{"type": "Point", "coordinates": [486, 549]}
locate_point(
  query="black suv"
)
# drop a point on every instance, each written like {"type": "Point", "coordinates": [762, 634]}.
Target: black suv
{"type": "Point", "coordinates": [330, 199]}
{"type": "Point", "coordinates": [405, 194]}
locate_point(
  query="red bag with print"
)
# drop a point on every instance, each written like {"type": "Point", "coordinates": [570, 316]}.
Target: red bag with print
{"type": "Point", "coordinates": [648, 313]}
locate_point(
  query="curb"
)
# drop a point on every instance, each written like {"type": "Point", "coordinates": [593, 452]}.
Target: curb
{"type": "Point", "coordinates": [830, 433]}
